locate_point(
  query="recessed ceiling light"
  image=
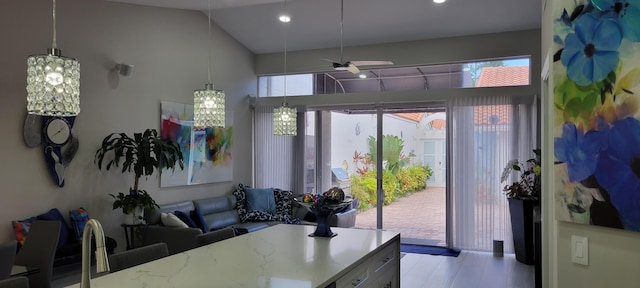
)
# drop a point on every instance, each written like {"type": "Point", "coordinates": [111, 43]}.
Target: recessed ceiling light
{"type": "Point", "coordinates": [362, 76]}
{"type": "Point", "coordinates": [284, 19]}
{"type": "Point", "coordinates": [439, 1]}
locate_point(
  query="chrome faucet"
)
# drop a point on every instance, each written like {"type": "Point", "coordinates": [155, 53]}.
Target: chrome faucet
{"type": "Point", "coordinates": [102, 262]}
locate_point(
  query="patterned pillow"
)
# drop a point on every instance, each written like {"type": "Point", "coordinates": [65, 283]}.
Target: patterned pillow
{"type": "Point", "coordinates": [240, 199]}
{"type": "Point", "coordinates": [79, 218]}
{"type": "Point", "coordinates": [21, 229]}
{"type": "Point", "coordinates": [284, 208]}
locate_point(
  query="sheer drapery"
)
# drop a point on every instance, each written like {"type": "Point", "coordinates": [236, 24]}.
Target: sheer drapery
{"type": "Point", "coordinates": [274, 155]}
{"type": "Point", "coordinates": [486, 133]}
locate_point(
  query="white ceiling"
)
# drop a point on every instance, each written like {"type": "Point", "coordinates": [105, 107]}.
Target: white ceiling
{"type": "Point", "coordinates": [316, 23]}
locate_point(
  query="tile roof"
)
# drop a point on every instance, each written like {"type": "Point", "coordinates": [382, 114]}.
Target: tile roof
{"type": "Point", "coordinates": [415, 117]}
{"type": "Point", "coordinates": [503, 76]}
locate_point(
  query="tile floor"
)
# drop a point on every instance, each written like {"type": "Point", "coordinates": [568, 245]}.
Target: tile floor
{"type": "Point", "coordinates": [469, 269]}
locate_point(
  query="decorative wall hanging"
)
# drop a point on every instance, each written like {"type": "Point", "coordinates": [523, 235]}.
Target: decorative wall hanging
{"type": "Point", "coordinates": [58, 140]}
{"type": "Point", "coordinates": [597, 112]}
{"type": "Point", "coordinates": [207, 152]}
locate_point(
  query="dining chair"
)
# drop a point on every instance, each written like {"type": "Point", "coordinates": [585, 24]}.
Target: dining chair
{"type": "Point", "coordinates": [15, 282]}
{"type": "Point", "coordinates": [7, 258]}
{"type": "Point", "coordinates": [137, 256]}
{"type": "Point", "coordinates": [215, 236]}
{"type": "Point", "coordinates": [39, 250]}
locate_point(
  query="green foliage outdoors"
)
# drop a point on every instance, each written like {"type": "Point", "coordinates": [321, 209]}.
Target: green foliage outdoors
{"type": "Point", "coordinates": [407, 181]}
{"type": "Point", "coordinates": [398, 180]}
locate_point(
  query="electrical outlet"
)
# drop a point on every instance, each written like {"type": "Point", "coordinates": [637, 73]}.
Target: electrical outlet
{"type": "Point", "coordinates": [580, 250]}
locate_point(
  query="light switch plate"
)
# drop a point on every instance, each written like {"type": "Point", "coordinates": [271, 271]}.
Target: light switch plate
{"type": "Point", "coordinates": [580, 250]}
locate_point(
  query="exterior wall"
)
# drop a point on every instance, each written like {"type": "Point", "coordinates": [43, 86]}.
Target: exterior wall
{"type": "Point", "coordinates": [168, 48]}
{"type": "Point", "coordinates": [346, 141]}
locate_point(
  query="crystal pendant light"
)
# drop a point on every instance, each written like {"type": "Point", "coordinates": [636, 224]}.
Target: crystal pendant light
{"type": "Point", "coordinates": [208, 103]}
{"type": "Point", "coordinates": [285, 117]}
{"type": "Point", "coordinates": [53, 82]}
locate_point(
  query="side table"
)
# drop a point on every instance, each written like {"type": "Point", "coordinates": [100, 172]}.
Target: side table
{"type": "Point", "coordinates": [131, 234]}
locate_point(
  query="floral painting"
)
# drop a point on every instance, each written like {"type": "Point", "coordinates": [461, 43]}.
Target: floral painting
{"type": "Point", "coordinates": [207, 152]}
{"type": "Point", "coordinates": [597, 112]}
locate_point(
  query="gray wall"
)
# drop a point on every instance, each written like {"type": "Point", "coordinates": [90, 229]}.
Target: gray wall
{"type": "Point", "coordinates": [614, 255]}
{"type": "Point", "coordinates": [169, 50]}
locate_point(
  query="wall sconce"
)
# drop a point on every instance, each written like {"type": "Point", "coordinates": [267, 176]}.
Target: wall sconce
{"type": "Point", "coordinates": [123, 69]}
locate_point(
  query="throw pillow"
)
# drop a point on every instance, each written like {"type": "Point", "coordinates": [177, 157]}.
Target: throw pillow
{"type": "Point", "coordinates": [171, 220]}
{"type": "Point", "coordinates": [284, 208]}
{"type": "Point", "coordinates": [21, 229]}
{"type": "Point", "coordinates": [260, 200]}
{"type": "Point", "coordinates": [79, 218]}
{"type": "Point", "coordinates": [55, 215]}
{"type": "Point", "coordinates": [185, 218]}
{"type": "Point", "coordinates": [240, 200]}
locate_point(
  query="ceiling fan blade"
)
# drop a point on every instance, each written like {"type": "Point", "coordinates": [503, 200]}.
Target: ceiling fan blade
{"type": "Point", "coordinates": [371, 63]}
{"type": "Point", "coordinates": [352, 68]}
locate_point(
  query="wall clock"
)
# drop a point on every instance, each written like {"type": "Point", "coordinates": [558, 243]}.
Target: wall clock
{"type": "Point", "coordinates": [57, 131]}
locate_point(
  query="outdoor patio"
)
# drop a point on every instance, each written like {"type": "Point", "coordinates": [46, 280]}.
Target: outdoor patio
{"type": "Point", "coordinates": [420, 215]}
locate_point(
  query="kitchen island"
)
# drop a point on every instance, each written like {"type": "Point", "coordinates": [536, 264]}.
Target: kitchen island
{"type": "Point", "coordinates": [280, 256]}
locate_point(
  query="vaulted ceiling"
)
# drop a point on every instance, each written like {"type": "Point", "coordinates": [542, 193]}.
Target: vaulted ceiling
{"type": "Point", "coordinates": [316, 23]}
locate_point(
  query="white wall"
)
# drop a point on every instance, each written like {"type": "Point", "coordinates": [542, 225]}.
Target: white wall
{"type": "Point", "coordinates": [169, 50]}
{"type": "Point", "coordinates": [614, 255]}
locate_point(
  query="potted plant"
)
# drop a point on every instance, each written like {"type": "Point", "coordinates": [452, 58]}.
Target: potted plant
{"type": "Point", "coordinates": [524, 197]}
{"type": "Point", "coordinates": [142, 155]}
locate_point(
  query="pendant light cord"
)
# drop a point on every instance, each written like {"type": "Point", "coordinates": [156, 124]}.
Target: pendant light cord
{"type": "Point", "coordinates": [53, 44]}
{"type": "Point", "coordinates": [209, 39]}
{"type": "Point", "coordinates": [341, 20]}
{"type": "Point", "coordinates": [284, 98]}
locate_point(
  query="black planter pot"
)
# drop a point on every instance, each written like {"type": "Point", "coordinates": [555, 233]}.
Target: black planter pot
{"type": "Point", "coordinates": [523, 229]}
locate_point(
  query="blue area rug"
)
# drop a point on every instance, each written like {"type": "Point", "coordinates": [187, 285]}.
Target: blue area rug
{"type": "Point", "coordinates": [433, 250]}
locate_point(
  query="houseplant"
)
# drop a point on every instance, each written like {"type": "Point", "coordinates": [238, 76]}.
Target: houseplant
{"type": "Point", "coordinates": [524, 197]}
{"type": "Point", "coordinates": [142, 155]}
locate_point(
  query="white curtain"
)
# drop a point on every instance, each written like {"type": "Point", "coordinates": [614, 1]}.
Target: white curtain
{"type": "Point", "coordinates": [274, 155]}
{"type": "Point", "coordinates": [486, 133]}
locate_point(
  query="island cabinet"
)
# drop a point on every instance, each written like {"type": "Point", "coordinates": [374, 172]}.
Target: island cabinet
{"type": "Point", "coordinates": [280, 256]}
{"type": "Point", "coordinates": [378, 270]}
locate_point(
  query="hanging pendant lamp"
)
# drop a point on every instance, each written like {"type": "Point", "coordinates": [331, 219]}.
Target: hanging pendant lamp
{"type": "Point", "coordinates": [208, 103]}
{"type": "Point", "coordinates": [285, 117]}
{"type": "Point", "coordinates": [53, 82]}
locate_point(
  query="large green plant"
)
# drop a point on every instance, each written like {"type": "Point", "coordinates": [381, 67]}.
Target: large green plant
{"type": "Point", "coordinates": [391, 152]}
{"type": "Point", "coordinates": [142, 155]}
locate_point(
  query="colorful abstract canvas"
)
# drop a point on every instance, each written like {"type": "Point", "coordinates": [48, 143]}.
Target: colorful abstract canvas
{"type": "Point", "coordinates": [597, 110]}
{"type": "Point", "coordinates": [207, 152]}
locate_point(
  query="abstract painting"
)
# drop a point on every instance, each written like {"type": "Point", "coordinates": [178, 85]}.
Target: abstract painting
{"type": "Point", "coordinates": [207, 152]}
{"type": "Point", "coordinates": [597, 112]}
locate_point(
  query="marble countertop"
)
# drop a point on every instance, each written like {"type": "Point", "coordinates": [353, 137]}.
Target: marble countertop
{"type": "Point", "coordinates": [279, 256]}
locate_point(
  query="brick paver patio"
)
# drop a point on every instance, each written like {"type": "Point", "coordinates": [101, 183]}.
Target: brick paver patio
{"type": "Point", "coordinates": [417, 216]}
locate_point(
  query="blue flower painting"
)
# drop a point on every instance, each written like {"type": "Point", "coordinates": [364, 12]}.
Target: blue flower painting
{"type": "Point", "coordinates": [597, 112]}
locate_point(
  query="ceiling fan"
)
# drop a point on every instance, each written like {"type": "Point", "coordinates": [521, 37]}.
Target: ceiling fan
{"type": "Point", "coordinates": [351, 66]}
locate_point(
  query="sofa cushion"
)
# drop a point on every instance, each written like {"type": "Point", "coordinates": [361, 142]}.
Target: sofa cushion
{"type": "Point", "coordinates": [186, 218]}
{"type": "Point", "coordinates": [79, 218]}
{"type": "Point", "coordinates": [217, 212]}
{"type": "Point", "coordinates": [171, 220]}
{"type": "Point", "coordinates": [244, 228]}
{"type": "Point", "coordinates": [152, 216]}
{"type": "Point", "coordinates": [260, 200]}
{"type": "Point", "coordinates": [55, 215]}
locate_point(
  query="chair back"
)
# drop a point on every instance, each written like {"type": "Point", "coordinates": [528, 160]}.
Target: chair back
{"type": "Point", "coordinates": [15, 282]}
{"type": "Point", "coordinates": [137, 256]}
{"type": "Point", "coordinates": [215, 236]}
{"type": "Point", "coordinates": [7, 258]}
{"type": "Point", "coordinates": [39, 250]}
